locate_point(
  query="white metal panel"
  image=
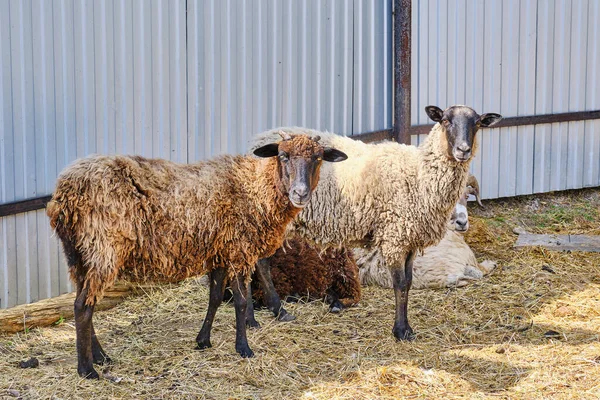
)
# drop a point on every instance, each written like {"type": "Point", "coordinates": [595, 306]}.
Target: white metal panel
{"type": "Point", "coordinates": [526, 96]}
{"type": "Point", "coordinates": [509, 91]}
{"type": "Point", "coordinates": [129, 76]}
{"type": "Point", "coordinates": [560, 93]}
{"type": "Point", "coordinates": [68, 88]}
{"type": "Point", "coordinates": [474, 74]}
{"type": "Point", "coordinates": [577, 90]}
{"type": "Point", "coordinates": [319, 64]}
{"type": "Point", "coordinates": [517, 58]}
{"type": "Point", "coordinates": [543, 93]}
{"type": "Point", "coordinates": [591, 163]}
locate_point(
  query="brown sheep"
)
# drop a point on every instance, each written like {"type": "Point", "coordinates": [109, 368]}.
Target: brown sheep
{"type": "Point", "coordinates": [156, 220]}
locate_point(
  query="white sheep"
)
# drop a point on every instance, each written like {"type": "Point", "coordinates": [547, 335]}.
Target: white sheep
{"type": "Point", "coordinates": [450, 263]}
{"type": "Point", "coordinates": [390, 196]}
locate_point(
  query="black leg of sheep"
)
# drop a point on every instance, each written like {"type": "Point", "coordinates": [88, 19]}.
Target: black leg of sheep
{"type": "Point", "coordinates": [240, 300]}
{"type": "Point", "coordinates": [217, 287]}
{"type": "Point", "coordinates": [402, 279]}
{"type": "Point", "coordinates": [271, 298]}
{"type": "Point", "coordinates": [83, 327]}
{"type": "Point", "coordinates": [251, 321]}
{"type": "Point", "coordinates": [98, 354]}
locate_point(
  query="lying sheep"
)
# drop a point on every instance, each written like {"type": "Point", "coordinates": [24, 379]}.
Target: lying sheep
{"type": "Point", "coordinates": [450, 263]}
{"type": "Point", "coordinates": [155, 220]}
{"type": "Point", "coordinates": [301, 271]}
{"type": "Point", "coordinates": [392, 197]}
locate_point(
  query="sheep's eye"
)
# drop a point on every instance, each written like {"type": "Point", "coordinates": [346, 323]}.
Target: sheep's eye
{"type": "Point", "coordinates": [283, 157]}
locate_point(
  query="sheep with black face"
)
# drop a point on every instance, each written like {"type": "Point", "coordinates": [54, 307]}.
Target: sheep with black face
{"type": "Point", "coordinates": [393, 197]}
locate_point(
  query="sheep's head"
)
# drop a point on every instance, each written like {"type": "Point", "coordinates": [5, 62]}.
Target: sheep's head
{"type": "Point", "coordinates": [461, 123]}
{"type": "Point", "coordinates": [299, 162]}
{"type": "Point", "coordinates": [459, 221]}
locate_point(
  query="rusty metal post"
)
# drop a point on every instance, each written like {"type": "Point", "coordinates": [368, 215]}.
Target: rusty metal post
{"type": "Point", "coordinates": [402, 65]}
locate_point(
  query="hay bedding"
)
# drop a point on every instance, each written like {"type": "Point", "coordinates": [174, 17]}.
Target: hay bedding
{"type": "Point", "coordinates": [487, 340]}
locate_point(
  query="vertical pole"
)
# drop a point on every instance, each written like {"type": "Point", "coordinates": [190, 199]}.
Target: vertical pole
{"type": "Point", "coordinates": [402, 64]}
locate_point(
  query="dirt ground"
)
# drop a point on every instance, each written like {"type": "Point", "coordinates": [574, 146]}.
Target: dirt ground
{"type": "Point", "coordinates": [531, 330]}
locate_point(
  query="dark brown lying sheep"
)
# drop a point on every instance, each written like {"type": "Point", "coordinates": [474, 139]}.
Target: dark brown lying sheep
{"type": "Point", "coordinates": [301, 271]}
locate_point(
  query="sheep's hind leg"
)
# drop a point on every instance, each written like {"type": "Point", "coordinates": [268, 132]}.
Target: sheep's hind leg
{"type": "Point", "coordinates": [240, 299]}
{"type": "Point", "coordinates": [98, 354]}
{"type": "Point", "coordinates": [83, 330]}
{"type": "Point", "coordinates": [402, 279]}
{"type": "Point", "coordinates": [217, 287]}
{"type": "Point", "coordinates": [272, 300]}
{"type": "Point", "coordinates": [251, 321]}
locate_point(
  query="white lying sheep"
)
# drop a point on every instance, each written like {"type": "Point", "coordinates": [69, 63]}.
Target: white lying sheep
{"type": "Point", "coordinates": [450, 263]}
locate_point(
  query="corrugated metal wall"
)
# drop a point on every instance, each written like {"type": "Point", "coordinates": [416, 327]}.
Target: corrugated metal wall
{"type": "Point", "coordinates": [516, 58]}
{"type": "Point", "coordinates": [261, 64]}
{"type": "Point", "coordinates": [145, 77]}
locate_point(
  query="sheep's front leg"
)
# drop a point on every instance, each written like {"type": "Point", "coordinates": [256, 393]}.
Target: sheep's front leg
{"type": "Point", "coordinates": [272, 300]}
{"type": "Point", "coordinates": [217, 287]}
{"type": "Point", "coordinates": [240, 300]}
{"type": "Point", "coordinates": [402, 280]}
{"type": "Point", "coordinates": [83, 331]}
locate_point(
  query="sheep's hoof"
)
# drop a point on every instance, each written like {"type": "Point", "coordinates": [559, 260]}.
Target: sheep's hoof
{"type": "Point", "coordinates": [252, 324]}
{"type": "Point", "coordinates": [336, 307]}
{"type": "Point", "coordinates": [404, 334]}
{"type": "Point", "coordinates": [284, 316]}
{"type": "Point", "coordinates": [88, 373]}
{"type": "Point", "coordinates": [102, 359]}
{"type": "Point", "coordinates": [203, 344]}
{"type": "Point", "coordinates": [245, 351]}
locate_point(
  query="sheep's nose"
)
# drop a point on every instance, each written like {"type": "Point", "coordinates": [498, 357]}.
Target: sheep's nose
{"type": "Point", "coordinates": [465, 148]}
{"type": "Point", "coordinates": [461, 224]}
{"type": "Point", "coordinates": [300, 191]}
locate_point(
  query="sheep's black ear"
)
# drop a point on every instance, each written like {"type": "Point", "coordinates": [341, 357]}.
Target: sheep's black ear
{"type": "Point", "coordinates": [490, 119]}
{"type": "Point", "coordinates": [333, 155]}
{"type": "Point", "coordinates": [435, 113]}
{"type": "Point", "coordinates": [269, 150]}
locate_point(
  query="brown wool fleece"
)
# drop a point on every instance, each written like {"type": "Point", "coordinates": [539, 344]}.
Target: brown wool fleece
{"type": "Point", "coordinates": [298, 269]}
{"type": "Point", "coordinates": [156, 220]}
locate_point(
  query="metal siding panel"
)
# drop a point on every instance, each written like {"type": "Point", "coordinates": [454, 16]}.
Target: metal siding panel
{"type": "Point", "coordinates": [474, 74]}
{"type": "Point", "coordinates": [357, 98]}
{"type": "Point", "coordinates": [507, 180]}
{"type": "Point", "coordinates": [7, 156]}
{"type": "Point", "coordinates": [591, 164]}
{"type": "Point", "coordinates": [9, 245]}
{"type": "Point", "coordinates": [526, 96]}
{"type": "Point", "coordinates": [103, 60]}
{"type": "Point", "coordinates": [419, 94]}
{"type": "Point", "coordinates": [543, 95]}
{"type": "Point", "coordinates": [490, 140]}
{"type": "Point", "coordinates": [456, 52]}
{"type": "Point", "coordinates": [64, 84]}
{"type": "Point", "coordinates": [124, 77]}
{"type": "Point", "coordinates": [577, 92]}
{"type": "Point", "coordinates": [560, 93]}
{"type": "Point", "coordinates": [414, 68]}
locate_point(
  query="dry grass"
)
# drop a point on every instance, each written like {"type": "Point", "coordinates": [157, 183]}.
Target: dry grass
{"type": "Point", "coordinates": [482, 341]}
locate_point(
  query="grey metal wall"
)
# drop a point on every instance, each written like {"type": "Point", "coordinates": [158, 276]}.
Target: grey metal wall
{"type": "Point", "coordinates": [147, 77]}
{"type": "Point", "coordinates": [515, 57]}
